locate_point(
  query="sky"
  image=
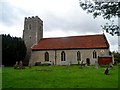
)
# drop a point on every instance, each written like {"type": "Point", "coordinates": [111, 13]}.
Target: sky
{"type": "Point", "coordinates": [60, 18]}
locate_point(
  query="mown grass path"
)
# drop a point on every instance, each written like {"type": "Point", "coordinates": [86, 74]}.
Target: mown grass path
{"type": "Point", "coordinates": [59, 77]}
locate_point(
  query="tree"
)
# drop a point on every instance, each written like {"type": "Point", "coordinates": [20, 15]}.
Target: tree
{"type": "Point", "coordinates": [13, 49]}
{"type": "Point", "coordinates": [107, 10]}
{"type": "Point", "coordinates": [116, 57]}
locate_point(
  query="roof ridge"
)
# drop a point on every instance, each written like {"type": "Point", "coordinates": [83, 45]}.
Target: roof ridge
{"type": "Point", "coordinates": [71, 36]}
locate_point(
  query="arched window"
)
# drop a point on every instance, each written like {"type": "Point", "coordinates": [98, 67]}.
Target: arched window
{"type": "Point", "coordinates": [94, 54]}
{"type": "Point", "coordinates": [62, 56]}
{"type": "Point", "coordinates": [78, 56]}
{"type": "Point", "coordinates": [46, 56]}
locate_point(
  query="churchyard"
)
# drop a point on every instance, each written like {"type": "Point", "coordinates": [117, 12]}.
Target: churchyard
{"type": "Point", "coordinates": [59, 77]}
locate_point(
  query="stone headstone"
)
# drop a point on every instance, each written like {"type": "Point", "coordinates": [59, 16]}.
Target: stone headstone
{"type": "Point", "coordinates": [16, 65]}
{"type": "Point", "coordinates": [21, 65]}
{"type": "Point", "coordinates": [96, 64]}
{"type": "Point", "coordinates": [106, 71]}
{"type": "Point", "coordinates": [110, 65]}
{"type": "Point", "coordinates": [81, 64]}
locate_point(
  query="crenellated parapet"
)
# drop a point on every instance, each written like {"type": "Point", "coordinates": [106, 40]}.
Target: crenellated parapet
{"type": "Point", "coordinates": [33, 18]}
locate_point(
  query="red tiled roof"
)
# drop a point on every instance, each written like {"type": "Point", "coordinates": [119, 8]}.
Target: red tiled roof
{"type": "Point", "coordinates": [72, 42]}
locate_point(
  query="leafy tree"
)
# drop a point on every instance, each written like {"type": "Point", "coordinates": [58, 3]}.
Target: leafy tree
{"type": "Point", "coordinates": [107, 10]}
{"type": "Point", "coordinates": [116, 57]}
{"type": "Point", "coordinates": [13, 49]}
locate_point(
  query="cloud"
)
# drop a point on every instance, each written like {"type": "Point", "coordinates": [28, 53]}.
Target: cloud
{"type": "Point", "coordinates": [60, 18]}
{"type": "Point", "coordinates": [71, 22]}
{"type": "Point", "coordinates": [10, 15]}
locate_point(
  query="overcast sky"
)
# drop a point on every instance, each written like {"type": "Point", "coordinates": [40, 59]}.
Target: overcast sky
{"type": "Point", "coordinates": [60, 18]}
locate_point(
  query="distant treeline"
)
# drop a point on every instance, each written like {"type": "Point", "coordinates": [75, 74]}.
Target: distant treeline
{"type": "Point", "coordinates": [13, 49]}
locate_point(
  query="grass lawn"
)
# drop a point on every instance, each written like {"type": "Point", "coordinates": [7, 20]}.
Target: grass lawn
{"type": "Point", "coordinates": [59, 77]}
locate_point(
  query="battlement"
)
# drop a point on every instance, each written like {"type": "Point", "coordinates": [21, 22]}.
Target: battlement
{"type": "Point", "coordinates": [36, 18]}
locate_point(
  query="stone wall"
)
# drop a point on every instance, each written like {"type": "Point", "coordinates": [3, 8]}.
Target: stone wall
{"type": "Point", "coordinates": [71, 56]}
{"type": "Point", "coordinates": [32, 33]}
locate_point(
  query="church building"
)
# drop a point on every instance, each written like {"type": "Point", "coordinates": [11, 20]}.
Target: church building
{"type": "Point", "coordinates": [62, 50]}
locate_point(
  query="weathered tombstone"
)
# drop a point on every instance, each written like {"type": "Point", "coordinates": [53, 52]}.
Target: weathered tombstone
{"type": "Point", "coordinates": [110, 65]}
{"type": "Point", "coordinates": [106, 71]}
{"type": "Point", "coordinates": [21, 65]}
{"type": "Point", "coordinates": [38, 63]}
{"type": "Point", "coordinates": [96, 64]}
{"type": "Point", "coordinates": [81, 64]}
{"type": "Point", "coordinates": [51, 62]}
{"type": "Point", "coordinates": [70, 63]}
{"type": "Point", "coordinates": [78, 62]}
{"type": "Point", "coordinates": [16, 65]}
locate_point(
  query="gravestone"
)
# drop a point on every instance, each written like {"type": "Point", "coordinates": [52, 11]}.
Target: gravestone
{"type": "Point", "coordinates": [110, 65]}
{"type": "Point", "coordinates": [82, 64]}
{"type": "Point", "coordinates": [16, 65]}
{"type": "Point", "coordinates": [106, 71]}
{"type": "Point", "coordinates": [96, 64]}
{"type": "Point", "coordinates": [21, 65]}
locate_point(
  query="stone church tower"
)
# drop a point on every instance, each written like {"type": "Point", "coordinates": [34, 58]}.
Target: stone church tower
{"type": "Point", "coordinates": [32, 33]}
